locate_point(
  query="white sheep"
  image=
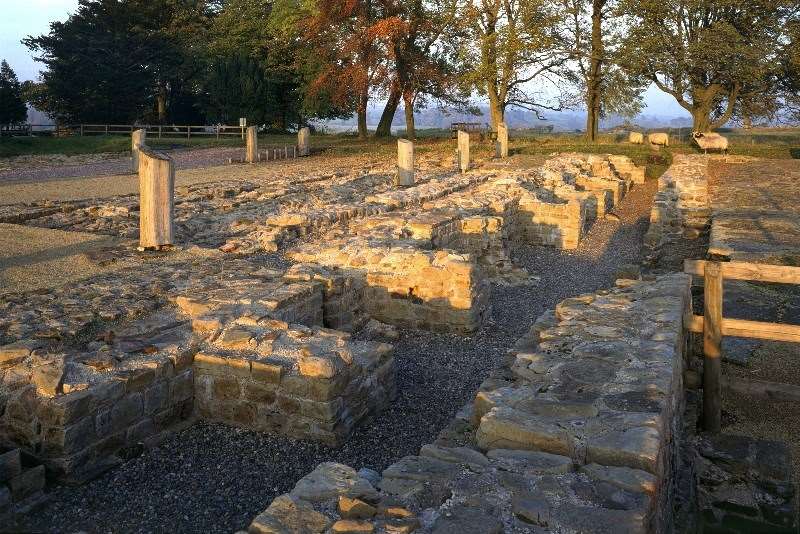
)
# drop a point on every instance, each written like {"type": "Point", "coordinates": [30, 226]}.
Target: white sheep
{"type": "Point", "coordinates": [660, 139]}
{"type": "Point", "coordinates": [636, 138]}
{"type": "Point", "coordinates": [710, 141]}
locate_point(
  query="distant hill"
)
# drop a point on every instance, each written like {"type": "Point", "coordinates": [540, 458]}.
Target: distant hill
{"type": "Point", "coordinates": [563, 121]}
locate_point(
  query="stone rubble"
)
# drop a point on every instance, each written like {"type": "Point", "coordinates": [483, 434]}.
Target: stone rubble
{"type": "Point", "coordinates": [92, 371]}
{"type": "Point", "coordinates": [577, 434]}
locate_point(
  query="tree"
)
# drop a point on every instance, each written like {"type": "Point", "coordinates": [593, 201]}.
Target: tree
{"type": "Point", "coordinates": [594, 32]}
{"type": "Point", "coordinates": [12, 107]}
{"type": "Point", "coordinates": [115, 61]}
{"type": "Point", "coordinates": [421, 58]}
{"type": "Point", "coordinates": [513, 44]}
{"type": "Point", "coordinates": [349, 38]}
{"type": "Point", "coordinates": [710, 55]}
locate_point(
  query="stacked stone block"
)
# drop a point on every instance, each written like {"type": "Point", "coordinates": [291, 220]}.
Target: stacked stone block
{"type": "Point", "coordinates": [305, 383]}
{"type": "Point", "coordinates": [577, 435]}
{"type": "Point", "coordinates": [406, 286]}
{"type": "Point", "coordinates": [680, 207]}
{"type": "Point", "coordinates": [21, 484]}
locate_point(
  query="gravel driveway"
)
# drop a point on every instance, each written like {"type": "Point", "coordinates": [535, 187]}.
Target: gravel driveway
{"type": "Point", "coordinates": [214, 478]}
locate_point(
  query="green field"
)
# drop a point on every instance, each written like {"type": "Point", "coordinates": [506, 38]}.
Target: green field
{"type": "Point", "coordinates": [781, 143]}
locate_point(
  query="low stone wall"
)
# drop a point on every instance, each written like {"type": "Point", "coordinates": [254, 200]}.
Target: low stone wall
{"type": "Point", "coordinates": [405, 286]}
{"type": "Point", "coordinates": [577, 434]}
{"type": "Point", "coordinates": [21, 484]}
{"type": "Point", "coordinates": [115, 386]}
{"type": "Point", "coordinates": [681, 206]}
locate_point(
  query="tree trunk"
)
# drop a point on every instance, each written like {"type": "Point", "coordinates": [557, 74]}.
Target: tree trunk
{"type": "Point", "coordinates": [362, 115]}
{"type": "Point", "coordinates": [701, 117]}
{"type": "Point", "coordinates": [594, 78]}
{"type": "Point", "coordinates": [384, 128]}
{"type": "Point", "coordinates": [495, 108]}
{"type": "Point", "coordinates": [408, 103]}
{"type": "Point", "coordinates": [161, 104]}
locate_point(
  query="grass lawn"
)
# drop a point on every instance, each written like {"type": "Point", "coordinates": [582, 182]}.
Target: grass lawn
{"type": "Point", "coordinates": [783, 143]}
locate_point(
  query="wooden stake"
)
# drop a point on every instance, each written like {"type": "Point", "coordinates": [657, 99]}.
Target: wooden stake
{"type": "Point", "coordinates": [501, 147]}
{"type": "Point", "coordinates": [138, 139]}
{"type": "Point", "coordinates": [252, 145]}
{"type": "Point", "coordinates": [304, 141]}
{"type": "Point", "coordinates": [405, 162]}
{"type": "Point", "coordinates": [712, 347]}
{"type": "Point", "coordinates": [156, 198]}
{"type": "Point", "coordinates": [463, 150]}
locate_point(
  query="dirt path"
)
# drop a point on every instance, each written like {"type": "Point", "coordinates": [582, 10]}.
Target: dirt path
{"type": "Point", "coordinates": [214, 478]}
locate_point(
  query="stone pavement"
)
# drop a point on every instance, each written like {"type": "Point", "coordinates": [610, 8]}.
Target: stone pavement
{"type": "Point", "coordinates": [756, 212]}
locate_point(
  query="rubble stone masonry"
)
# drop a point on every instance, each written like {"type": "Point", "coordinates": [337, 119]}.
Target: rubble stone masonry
{"type": "Point", "coordinates": [577, 434]}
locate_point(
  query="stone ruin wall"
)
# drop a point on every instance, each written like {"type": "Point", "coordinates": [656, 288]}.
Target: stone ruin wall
{"type": "Point", "coordinates": [681, 206]}
{"type": "Point", "coordinates": [579, 432]}
{"type": "Point", "coordinates": [86, 383]}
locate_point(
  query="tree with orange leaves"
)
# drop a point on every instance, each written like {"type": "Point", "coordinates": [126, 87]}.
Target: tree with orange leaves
{"type": "Point", "coordinates": [350, 37]}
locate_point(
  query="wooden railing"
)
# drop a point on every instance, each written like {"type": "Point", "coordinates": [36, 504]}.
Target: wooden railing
{"type": "Point", "coordinates": [157, 131]}
{"type": "Point", "coordinates": [714, 326]}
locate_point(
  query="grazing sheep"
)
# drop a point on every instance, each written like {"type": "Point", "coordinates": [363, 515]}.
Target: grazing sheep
{"type": "Point", "coordinates": [660, 139]}
{"type": "Point", "coordinates": [710, 141]}
{"type": "Point", "coordinates": [636, 138]}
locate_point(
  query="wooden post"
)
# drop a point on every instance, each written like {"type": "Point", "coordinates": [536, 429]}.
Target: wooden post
{"type": "Point", "coordinates": [188, 132]}
{"type": "Point", "coordinates": [81, 130]}
{"type": "Point", "coordinates": [712, 347]}
{"type": "Point", "coordinates": [405, 163]}
{"type": "Point", "coordinates": [501, 146]}
{"type": "Point", "coordinates": [106, 129]}
{"type": "Point", "coordinates": [463, 150]}
{"type": "Point", "coordinates": [304, 141]}
{"type": "Point", "coordinates": [252, 145]}
{"type": "Point", "coordinates": [159, 131]}
{"type": "Point", "coordinates": [156, 198]}
{"type": "Point", "coordinates": [138, 140]}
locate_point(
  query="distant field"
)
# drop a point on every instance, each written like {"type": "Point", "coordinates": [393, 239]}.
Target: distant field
{"type": "Point", "coordinates": [781, 143]}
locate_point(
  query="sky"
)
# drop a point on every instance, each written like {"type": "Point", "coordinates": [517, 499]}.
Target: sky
{"type": "Point", "coordinates": [21, 18]}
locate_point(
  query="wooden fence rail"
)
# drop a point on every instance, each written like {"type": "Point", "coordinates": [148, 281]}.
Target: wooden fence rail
{"type": "Point", "coordinates": [156, 131]}
{"type": "Point", "coordinates": [714, 326]}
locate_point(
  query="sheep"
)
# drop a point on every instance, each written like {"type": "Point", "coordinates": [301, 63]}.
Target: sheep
{"type": "Point", "coordinates": [636, 138]}
{"type": "Point", "coordinates": [658, 139]}
{"type": "Point", "coordinates": [710, 141]}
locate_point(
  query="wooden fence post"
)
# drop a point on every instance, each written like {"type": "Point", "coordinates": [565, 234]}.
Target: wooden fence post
{"type": "Point", "coordinates": [138, 140]}
{"type": "Point", "coordinates": [463, 150]}
{"type": "Point", "coordinates": [405, 162]}
{"type": "Point", "coordinates": [156, 198]}
{"type": "Point", "coordinates": [712, 347]}
{"type": "Point", "coordinates": [252, 145]}
{"type": "Point", "coordinates": [304, 141]}
{"type": "Point", "coordinates": [501, 146]}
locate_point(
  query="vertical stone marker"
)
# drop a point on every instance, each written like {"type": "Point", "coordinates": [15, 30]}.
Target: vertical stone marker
{"type": "Point", "coordinates": [463, 150]}
{"type": "Point", "coordinates": [156, 198]}
{"type": "Point", "coordinates": [252, 145]}
{"type": "Point", "coordinates": [138, 139]}
{"type": "Point", "coordinates": [405, 162]}
{"type": "Point", "coordinates": [501, 146]}
{"type": "Point", "coordinates": [304, 141]}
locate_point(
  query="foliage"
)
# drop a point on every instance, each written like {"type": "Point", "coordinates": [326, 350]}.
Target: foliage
{"type": "Point", "coordinates": [512, 45]}
{"type": "Point", "coordinates": [594, 33]}
{"type": "Point", "coordinates": [709, 54]}
{"type": "Point", "coordinates": [115, 61]}
{"type": "Point", "coordinates": [12, 106]}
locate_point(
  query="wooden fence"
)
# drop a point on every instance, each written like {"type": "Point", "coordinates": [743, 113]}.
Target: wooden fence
{"type": "Point", "coordinates": [157, 131]}
{"type": "Point", "coordinates": [714, 326]}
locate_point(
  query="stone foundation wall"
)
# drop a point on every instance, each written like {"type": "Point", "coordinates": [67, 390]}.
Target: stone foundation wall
{"type": "Point", "coordinates": [681, 206]}
{"type": "Point", "coordinates": [117, 386]}
{"type": "Point", "coordinates": [330, 387]}
{"type": "Point", "coordinates": [577, 434]}
{"type": "Point", "coordinates": [557, 225]}
{"type": "Point", "coordinates": [21, 484]}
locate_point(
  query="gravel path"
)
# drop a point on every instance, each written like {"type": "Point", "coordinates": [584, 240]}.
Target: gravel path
{"type": "Point", "coordinates": [213, 478]}
{"type": "Point", "coordinates": [184, 159]}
